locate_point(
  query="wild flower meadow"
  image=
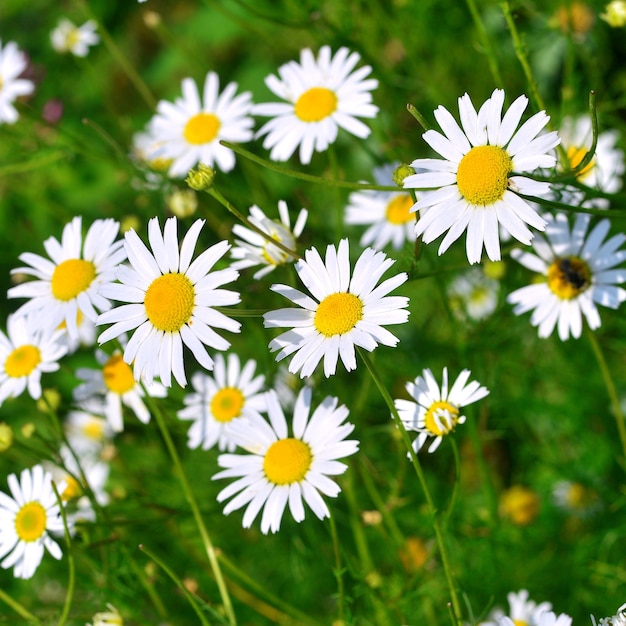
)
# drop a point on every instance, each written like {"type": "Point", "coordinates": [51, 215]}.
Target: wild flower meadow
{"type": "Point", "coordinates": [313, 313]}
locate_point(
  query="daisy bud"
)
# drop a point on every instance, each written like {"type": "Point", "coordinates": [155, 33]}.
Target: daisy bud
{"type": "Point", "coordinates": [182, 203]}
{"type": "Point", "coordinates": [201, 179]}
{"type": "Point", "coordinates": [401, 172]}
{"type": "Point", "coordinates": [6, 436]}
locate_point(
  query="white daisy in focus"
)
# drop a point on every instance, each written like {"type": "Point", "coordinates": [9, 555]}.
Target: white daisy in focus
{"type": "Point", "coordinates": [388, 213]}
{"type": "Point", "coordinates": [254, 249]}
{"type": "Point", "coordinates": [434, 412]}
{"type": "Point", "coordinates": [473, 295]}
{"type": "Point", "coordinates": [221, 400]}
{"type": "Point", "coordinates": [545, 618]}
{"type": "Point", "coordinates": [476, 185]}
{"type": "Point", "coordinates": [579, 273]}
{"type": "Point", "coordinates": [604, 172]}
{"type": "Point", "coordinates": [26, 519]}
{"type": "Point", "coordinates": [12, 63]}
{"type": "Point", "coordinates": [26, 352]}
{"type": "Point", "coordinates": [69, 281]}
{"type": "Point", "coordinates": [170, 302]}
{"type": "Point", "coordinates": [67, 37]}
{"type": "Point", "coordinates": [115, 383]}
{"type": "Point", "coordinates": [285, 468]}
{"type": "Point", "coordinates": [345, 311]}
{"type": "Point", "coordinates": [322, 95]}
{"type": "Point", "coordinates": [522, 610]}
{"type": "Point", "coordinates": [188, 131]}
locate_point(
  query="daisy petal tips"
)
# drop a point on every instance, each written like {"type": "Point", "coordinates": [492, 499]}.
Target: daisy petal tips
{"type": "Point", "coordinates": [475, 187]}
{"type": "Point", "coordinates": [342, 312]}
{"type": "Point", "coordinates": [171, 302]}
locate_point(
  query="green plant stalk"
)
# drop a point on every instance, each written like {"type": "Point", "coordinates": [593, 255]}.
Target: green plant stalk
{"type": "Point", "coordinates": [193, 505]}
{"type": "Point", "coordinates": [485, 42]}
{"type": "Point", "coordinates": [338, 570]}
{"type": "Point", "coordinates": [18, 608]}
{"type": "Point", "coordinates": [177, 582]}
{"type": "Point", "coordinates": [213, 192]}
{"type": "Point", "coordinates": [553, 204]}
{"type": "Point", "coordinates": [70, 561]}
{"type": "Point", "coordinates": [594, 140]}
{"type": "Point", "coordinates": [610, 387]}
{"type": "Point", "coordinates": [443, 551]}
{"type": "Point", "coordinates": [118, 55]}
{"type": "Point", "coordinates": [33, 164]}
{"type": "Point", "coordinates": [421, 120]}
{"type": "Point", "coordinates": [246, 154]}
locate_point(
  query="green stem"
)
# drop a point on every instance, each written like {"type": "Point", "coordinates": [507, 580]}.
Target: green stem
{"type": "Point", "coordinates": [485, 42]}
{"type": "Point", "coordinates": [561, 206]}
{"type": "Point", "coordinates": [70, 561]}
{"type": "Point", "coordinates": [212, 191]}
{"type": "Point", "coordinates": [594, 142]}
{"type": "Point", "coordinates": [246, 154]}
{"type": "Point", "coordinates": [443, 551]}
{"type": "Point", "coordinates": [421, 120]}
{"type": "Point", "coordinates": [193, 505]}
{"type": "Point", "coordinates": [338, 571]}
{"type": "Point", "coordinates": [610, 387]}
{"type": "Point", "coordinates": [32, 164]}
{"type": "Point", "coordinates": [18, 608]}
{"type": "Point", "coordinates": [178, 583]}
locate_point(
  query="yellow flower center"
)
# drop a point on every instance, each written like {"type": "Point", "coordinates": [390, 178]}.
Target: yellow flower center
{"type": "Point", "coordinates": [483, 175]}
{"type": "Point", "coordinates": [315, 104]}
{"type": "Point", "coordinates": [169, 302]}
{"type": "Point", "coordinates": [72, 277]}
{"type": "Point", "coordinates": [118, 375]}
{"type": "Point", "coordinates": [338, 314]}
{"type": "Point", "coordinates": [94, 429]}
{"type": "Point", "coordinates": [287, 461]}
{"type": "Point", "coordinates": [398, 209]}
{"type": "Point", "coordinates": [568, 277]}
{"type": "Point", "coordinates": [73, 489]}
{"type": "Point", "coordinates": [576, 496]}
{"type": "Point", "coordinates": [202, 128]}
{"type": "Point", "coordinates": [226, 404]}
{"type": "Point", "coordinates": [72, 38]}
{"type": "Point", "coordinates": [30, 521]}
{"type": "Point", "coordinates": [575, 156]}
{"type": "Point", "coordinates": [520, 622]}
{"type": "Point", "coordinates": [22, 361]}
{"type": "Point", "coordinates": [441, 418]}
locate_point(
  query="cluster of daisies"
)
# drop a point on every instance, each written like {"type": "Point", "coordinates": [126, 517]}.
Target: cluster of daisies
{"type": "Point", "coordinates": [148, 305]}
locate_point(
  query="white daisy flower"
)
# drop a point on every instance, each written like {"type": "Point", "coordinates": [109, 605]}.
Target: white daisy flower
{"type": "Point", "coordinates": [605, 170]}
{"type": "Point", "coordinates": [67, 37]}
{"type": "Point", "coordinates": [171, 302]}
{"type": "Point", "coordinates": [221, 400]}
{"type": "Point", "coordinates": [26, 352]}
{"type": "Point", "coordinates": [544, 618]}
{"type": "Point", "coordinates": [388, 213]}
{"type": "Point", "coordinates": [12, 63]}
{"type": "Point", "coordinates": [476, 184]}
{"type": "Point", "coordinates": [322, 95]}
{"type": "Point", "coordinates": [87, 431]}
{"type": "Point", "coordinates": [285, 468]}
{"type": "Point", "coordinates": [86, 333]}
{"type": "Point", "coordinates": [435, 412]}
{"type": "Point", "coordinates": [115, 382]}
{"type": "Point", "coordinates": [579, 273]}
{"type": "Point", "coordinates": [189, 130]}
{"type": "Point", "coordinates": [474, 295]}
{"type": "Point", "coordinates": [70, 281]}
{"type": "Point", "coordinates": [110, 617]}
{"type": "Point", "coordinates": [619, 619]}
{"type": "Point", "coordinates": [254, 249]}
{"type": "Point", "coordinates": [26, 519]}
{"type": "Point", "coordinates": [522, 610]}
{"type": "Point", "coordinates": [346, 312]}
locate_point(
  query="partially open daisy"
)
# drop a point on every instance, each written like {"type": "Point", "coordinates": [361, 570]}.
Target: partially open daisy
{"type": "Point", "coordinates": [435, 412]}
{"type": "Point", "coordinates": [189, 130]}
{"type": "Point", "coordinates": [26, 519]}
{"type": "Point", "coordinates": [67, 37]}
{"type": "Point", "coordinates": [388, 213]}
{"type": "Point", "coordinates": [254, 249]}
{"type": "Point", "coordinates": [286, 467]}
{"type": "Point", "coordinates": [12, 63]}
{"type": "Point", "coordinates": [26, 352]}
{"type": "Point", "coordinates": [579, 273]}
{"type": "Point", "coordinates": [345, 311]}
{"type": "Point", "coordinates": [115, 383]}
{"type": "Point", "coordinates": [604, 171]}
{"type": "Point", "coordinates": [69, 282]}
{"type": "Point", "coordinates": [476, 185]}
{"type": "Point", "coordinates": [322, 95]}
{"type": "Point", "coordinates": [171, 302]}
{"type": "Point", "coordinates": [221, 400]}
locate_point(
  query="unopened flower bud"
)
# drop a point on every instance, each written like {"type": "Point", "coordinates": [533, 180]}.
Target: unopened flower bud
{"type": "Point", "coordinates": [201, 178]}
{"type": "Point", "coordinates": [6, 436]}
{"type": "Point", "coordinates": [401, 172]}
{"type": "Point", "coordinates": [615, 13]}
